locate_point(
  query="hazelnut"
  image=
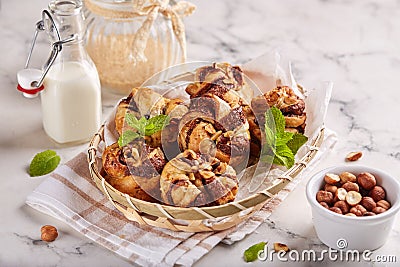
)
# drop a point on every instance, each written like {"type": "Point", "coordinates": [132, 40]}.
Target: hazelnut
{"type": "Point", "coordinates": [324, 204]}
{"type": "Point", "coordinates": [49, 233]}
{"type": "Point", "coordinates": [347, 177]}
{"type": "Point", "coordinates": [366, 180]}
{"type": "Point", "coordinates": [343, 206]}
{"type": "Point", "coordinates": [330, 188]}
{"type": "Point", "coordinates": [383, 204]}
{"type": "Point", "coordinates": [331, 178]}
{"type": "Point", "coordinates": [369, 213]}
{"type": "Point", "coordinates": [377, 193]}
{"type": "Point", "coordinates": [281, 247]}
{"type": "Point", "coordinates": [350, 186]}
{"type": "Point", "coordinates": [353, 198]}
{"type": "Point", "coordinates": [353, 156]}
{"type": "Point", "coordinates": [351, 214]}
{"type": "Point", "coordinates": [358, 210]}
{"type": "Point", "coordinates": [378, 210]}
{"type": "Point", "coordinates": [368, 203]}
{"type": "Point", "coordinates": [336, 210]}
{"type": "Point", "coordinates": [324, 196]}
{"type": "Point", "coordinates": [340, 194]}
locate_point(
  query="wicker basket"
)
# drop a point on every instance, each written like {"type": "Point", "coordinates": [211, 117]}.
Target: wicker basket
{"type": "Point", "coordinates": [192, 219]}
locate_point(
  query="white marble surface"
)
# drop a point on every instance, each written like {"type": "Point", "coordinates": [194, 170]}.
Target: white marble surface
{"type": "Point", "coordinates": [355, 44]}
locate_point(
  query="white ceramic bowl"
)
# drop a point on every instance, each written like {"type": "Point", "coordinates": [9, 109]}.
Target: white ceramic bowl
{"type": "Point", "coordinates": [356, 233]}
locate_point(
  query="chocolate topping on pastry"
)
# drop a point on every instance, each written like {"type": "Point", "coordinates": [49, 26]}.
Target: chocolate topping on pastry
{"type": "Point", "coordinates": [192, 179]}
{"type": "Point", "coordinates": [133, 167]}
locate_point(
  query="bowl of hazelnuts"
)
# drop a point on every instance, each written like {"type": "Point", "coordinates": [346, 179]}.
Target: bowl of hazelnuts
{"type": "Point", "coordinates": [357, 204]}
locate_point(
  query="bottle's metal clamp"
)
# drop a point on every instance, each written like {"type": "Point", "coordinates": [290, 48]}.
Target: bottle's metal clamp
{"type": "Point", "coordinates": [47, 24]}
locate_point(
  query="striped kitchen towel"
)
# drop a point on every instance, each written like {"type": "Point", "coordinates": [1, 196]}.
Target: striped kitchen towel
{"type": "Point", "coordinates": [70, 195]}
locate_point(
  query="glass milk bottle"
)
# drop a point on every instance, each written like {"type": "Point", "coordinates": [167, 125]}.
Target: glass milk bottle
{"type": "Point", "coordinates": [71, 99]}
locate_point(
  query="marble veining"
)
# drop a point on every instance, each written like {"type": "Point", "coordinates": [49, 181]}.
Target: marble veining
{"type": "Point", "coordinates": [355, 44]}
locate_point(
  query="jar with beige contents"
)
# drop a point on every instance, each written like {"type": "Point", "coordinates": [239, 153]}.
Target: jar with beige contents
{"type": "Point", "coordinates": [130, 40]}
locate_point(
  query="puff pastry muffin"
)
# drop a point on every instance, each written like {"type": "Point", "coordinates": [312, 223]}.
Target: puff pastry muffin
{"type": "Point", "coordinates": [222, 80]}
{"type": "Point", "coordinates": [191, 179]}
{"type": "Point", "coordinates": [212, 127]}
{"type": "Point", "coordinates": [134, 169]}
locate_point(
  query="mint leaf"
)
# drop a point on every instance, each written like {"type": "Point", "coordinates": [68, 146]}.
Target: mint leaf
{"type": "Point", "coordinates": [296, 142]}
{"type": "Point", "coordinates": [279, 119]}
{"type": "Point", "coordinates": [126, 137]}
{"type": "Point", "coordinates": [283, 145]}
{"type": "Point", "coordinates": [132, 121]}
{"type": "Point", "coordinates": [283, 138]}
{"type": "Point", "coordinates": [156, 124]}
{"type": "Point", "coordinates": [143, 127]}
{"type": "Point", "coordinates": [43, 163]}
{"type": "Point", "coordinates": [284, 156]}
{"type": "Point", "coordinates": [251, 254]}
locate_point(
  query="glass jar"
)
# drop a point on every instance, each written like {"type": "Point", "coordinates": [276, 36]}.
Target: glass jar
{"type": "Point", "coordinates": [130, 40]}
{"type": "Point", "coordinates": [71, 99]}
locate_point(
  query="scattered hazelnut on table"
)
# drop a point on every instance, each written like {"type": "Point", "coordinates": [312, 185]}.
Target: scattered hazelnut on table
{"type": "Point", "coordinates": [325, 196]}
{"type": "Point", "coordinates": [368, 203]}
{"type": "Point", "coordinates": [377, 193]}
{"type": "Point", "coordinates": [49, 233]}
{"type": "Point", "coordinates": [358, 210]}
{"type": "Point", "coordinates": [366, 180]}
{"type": "Point", "coordinates": [347, 177]}
{"type": "Point", "coordinates": [383, 204]}
{"type": "Point", "coordinates": [353, 156]}
{"type": "Point", "coordinates": [331, 178]}
{"type": "Point", "coordinates": [281, 247]}
{"type": "Point", "coordinates": [350, 186]}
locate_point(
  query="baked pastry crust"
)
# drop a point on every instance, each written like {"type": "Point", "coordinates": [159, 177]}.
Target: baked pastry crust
{"type": "Point", "coordinates": [212, 127]}
{"type": "Point", "coordinates": [191, 179]}
{"type": "Point", "coordinates": [222, 80]}
{"type": "Point", "coordinates": [134, 169]}
{"type": "Point", "coordinates": [291, 105]}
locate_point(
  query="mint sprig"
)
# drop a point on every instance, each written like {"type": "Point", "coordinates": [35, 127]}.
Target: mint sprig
{"type": "Point", "coordinates": [142, 127]}
{"type": "Point", "coordinates": [43, 163]}
{"type": "Point", "coordinates": [283, 145]}
{"type": "Point", "coordinates": [251, 254]}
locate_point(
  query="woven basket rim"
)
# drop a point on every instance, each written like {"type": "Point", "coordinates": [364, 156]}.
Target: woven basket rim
{"type": "Point", "coordinates": [186, 213]}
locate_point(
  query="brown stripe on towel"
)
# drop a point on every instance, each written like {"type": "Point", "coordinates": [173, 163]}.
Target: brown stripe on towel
{"type": "Point", "coordinates": [81, 169]}
{"type": "Point", "coordinates": [93, 207]}
{"type": "Point", "coordinates": [86, 197]}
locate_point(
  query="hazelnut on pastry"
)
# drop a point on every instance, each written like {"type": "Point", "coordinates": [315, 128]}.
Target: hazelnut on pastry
{"type": "Point", "coordinates": [191, 179]}
{"type": "Point", "coordinates": [291, 105]}
{"type": "Point", "coordinates": [134, 169]}
{"type": "Point", "coordinates": [214, 128]}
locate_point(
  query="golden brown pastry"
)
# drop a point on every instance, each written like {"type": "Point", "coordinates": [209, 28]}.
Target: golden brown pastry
{"type": "Point", "coordinates": [134, 169]}
{"type": "Point", "coordinates": [291, 105]}
{"type": "Point", "coordinates": [213, 128]}
{"type": "Point", "coordinates": [144, 102]}
{"type": "Point", "coordinates": [222, 80]}
{"type": "Point", "coordinates": [191, 179]}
